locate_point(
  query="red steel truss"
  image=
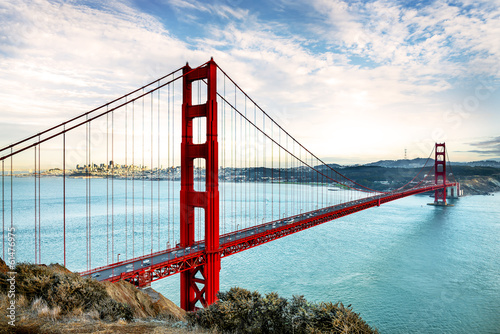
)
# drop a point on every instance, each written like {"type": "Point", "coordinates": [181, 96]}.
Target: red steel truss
{"type": "Point", "coordinates": [196, 262]}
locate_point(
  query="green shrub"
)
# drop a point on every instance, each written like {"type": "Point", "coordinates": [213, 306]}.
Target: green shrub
{"type": "Point", "coordinates": [242, 311]}
{"type": "Point", "coordinates": [68, 291]}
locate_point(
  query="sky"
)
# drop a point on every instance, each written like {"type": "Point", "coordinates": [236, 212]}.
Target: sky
{"type": "Point", "coordinates": [353, 81]}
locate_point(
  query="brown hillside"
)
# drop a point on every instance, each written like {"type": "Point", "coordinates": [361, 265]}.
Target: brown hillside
{"type": "Point", "coordinates": [52, 299]}
{"type": "Point", "coordinates": [144, 303]}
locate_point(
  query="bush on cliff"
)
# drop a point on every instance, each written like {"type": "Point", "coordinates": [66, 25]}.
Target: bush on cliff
{"type": "Point", "coordinates": [242, 311]}
{"type": "Point", "coordinates": [59, 288]}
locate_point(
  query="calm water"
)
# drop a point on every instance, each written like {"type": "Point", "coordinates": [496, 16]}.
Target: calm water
{"type": "Point", "coordinates": [405, 267]}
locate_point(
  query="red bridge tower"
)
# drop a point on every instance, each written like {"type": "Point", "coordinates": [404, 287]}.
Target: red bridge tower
{"type": "Point", "coordinates": [200, 284]}
{"type": "Point", "coordinates": [440, 174]}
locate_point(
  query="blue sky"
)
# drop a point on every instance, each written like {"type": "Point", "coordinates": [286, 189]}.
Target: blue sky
{"type": "Point", "coordinates": [354, 81]}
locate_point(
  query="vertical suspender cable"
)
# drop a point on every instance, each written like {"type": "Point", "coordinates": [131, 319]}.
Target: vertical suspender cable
{"type": "Point", "coordinates": [241, 141]}
{"type": "Point", "coordinates": [173, 156]}
{"type": "Point", "coordinates": [234, 122]}
{"type": "Point", "coordinates": [169, 179]}
{"type": "Point", "coordinates": [143, 176]}
{"type": "Point", "coordinates": [223, 125]}
{"type": "Point", "coordinates": [264, 167]}
{"type": "Point", "coordinates": [272, 174]}
{"type": "Point", "coordinates": [317, 187]}
{"type": "Point", "coordinates": [245, 143]}
{"type": "Point", "coordinates": [107, 186]}
{"type": "Point", "coordinates": [299, 180]}
{"type": "Point", "coordinates": [64, 195]}
{"type": "Point", "coordinates": [113, 186]}
{"type": "Point", "coordinates": [158, 168]}
{"type": "Point", "coordinates": [87, 191]}
{"type": "Point", "coordinates": [126, 179]}
{"type": "Point", "coordinates": [151, 171]}
{"type": "Point", "coordinates": [11, 192]}
{"type": "Point", "coordinates": [3, 209]}
{"type": "Point", "coordinates": [39, 205]}
{"type": "Point", "coordinates": [36, 213]}
{"type": "Point", "coordinates": [233, 160]}
{"type": "Point", "coordinates": [256, 162]}
{"type": "Point", "coordinates": [133, 179]}
{"type": "Point", "coordinates": [199, 163]}
{"type": "Point", "coordinates": [90, 195]}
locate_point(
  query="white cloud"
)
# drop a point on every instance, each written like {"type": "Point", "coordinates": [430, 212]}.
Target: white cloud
{"type": "Point", "coordinates": [60, 59]}
{"type": "Point", "coordinates": [428, 38]}
{"type": "Point", "coordinates": [73, 57]}
{"type": "Point", "coordinates": [218, 9]}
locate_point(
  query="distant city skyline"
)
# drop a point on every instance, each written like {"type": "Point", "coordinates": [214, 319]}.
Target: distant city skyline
{"type": "Point", "coordinates": [353, 81]}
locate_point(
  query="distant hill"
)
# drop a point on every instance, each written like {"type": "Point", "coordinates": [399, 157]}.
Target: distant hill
{"type": "Point", "coordinates": [404, 163]}
{"type": "Point", "coordinates": [482, 163]}
{"type": "Point", "coordinates": [324, 167]}
{"type": "Point", "coordinates": [419, 162]}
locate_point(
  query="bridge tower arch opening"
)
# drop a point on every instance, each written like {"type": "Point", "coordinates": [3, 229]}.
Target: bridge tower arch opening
{"type": "Point", "coordinates": [199, 286]}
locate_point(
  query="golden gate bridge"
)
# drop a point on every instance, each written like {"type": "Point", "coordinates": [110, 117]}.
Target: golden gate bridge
{"type": "Point", "coordinates": [243, 181]}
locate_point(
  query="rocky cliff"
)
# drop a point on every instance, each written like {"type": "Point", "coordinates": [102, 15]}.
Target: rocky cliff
{"type": "Point", "coordinates": [480, 185]}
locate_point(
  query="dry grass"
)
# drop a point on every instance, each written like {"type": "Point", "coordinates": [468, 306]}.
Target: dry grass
{"type": "Point", "coordinates": [55, 293]}
{"type": "Point", "coordinates": [51, 299]}
{"type": "Point", "coordinates": [142, 304]}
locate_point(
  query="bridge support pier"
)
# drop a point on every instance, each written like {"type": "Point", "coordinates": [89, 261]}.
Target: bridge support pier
{"type": "Point", "coordinates": [201, 284]}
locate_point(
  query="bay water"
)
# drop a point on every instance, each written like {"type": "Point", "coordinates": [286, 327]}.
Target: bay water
{"type": "Point", "coordinates": [406, 267]}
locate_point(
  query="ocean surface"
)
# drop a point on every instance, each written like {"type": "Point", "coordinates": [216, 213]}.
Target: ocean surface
{"type": "Point", "coordinates": [406, 267]}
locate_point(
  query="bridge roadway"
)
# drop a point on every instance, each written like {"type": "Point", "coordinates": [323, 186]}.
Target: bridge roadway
{"type": "Point", "coordinates": [141, 271]}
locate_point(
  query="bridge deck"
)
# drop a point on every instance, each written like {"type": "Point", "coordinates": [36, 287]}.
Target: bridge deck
{"type": "Point", "coordinates": [145, 269]}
